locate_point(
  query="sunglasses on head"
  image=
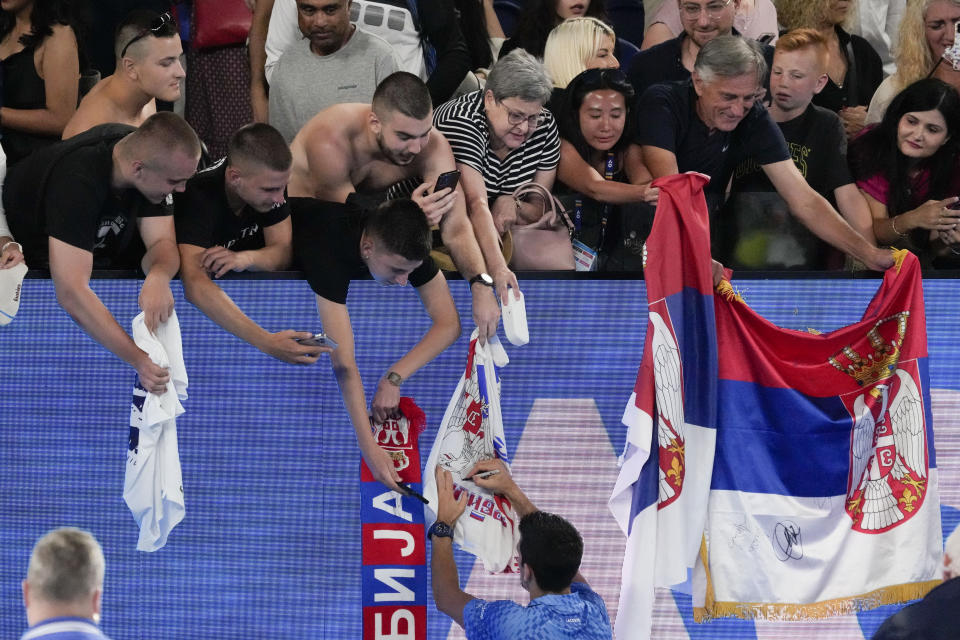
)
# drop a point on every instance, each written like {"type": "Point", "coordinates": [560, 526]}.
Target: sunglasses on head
{"type": "Point", "coordinates": [156, 27]}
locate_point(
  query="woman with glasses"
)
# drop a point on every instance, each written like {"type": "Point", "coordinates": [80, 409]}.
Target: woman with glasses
{"type": "Point", "coordinates": [854, 69]}
{"type": "Point", "coordinates": [927, 48]}
{"type": "Point", "coordinates": [601, 172]}
{"type": "Point", "coordinates": [906, 166]}
{"type": "Point", "coordinates": [755, 19]}
{"type": "Point", "coordinates": [502, 138]}
{"type": "Point", "coordinates": [41, 72]}
{"type": "Point", "coordinates": [540, 16]}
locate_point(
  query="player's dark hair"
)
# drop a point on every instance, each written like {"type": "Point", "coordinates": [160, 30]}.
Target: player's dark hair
{"type": "Point", "coordinates": [401, 227]}
{"type": "Point", "coordinates": [552, 548]}
{"type": "Point", "coordinates": [261, 144]}
{"type": "Point", "coordinates": [403, 92]}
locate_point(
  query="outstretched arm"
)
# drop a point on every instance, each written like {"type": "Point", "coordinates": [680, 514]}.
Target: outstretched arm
{"type": "Point", "coordinates": [160, 263]}
{"type": "Point", "coordinates": [447, 594]}
{"type": "Point", "coordinates": [70, 270]}
{"type": "Point", "coordinates": [818, 216]}
{"type": "Point", "coordinates": [475, 192]}
{"type": "Point", "coordinates": [458, 234]}
{"type": "Point", "coordinates": [217, 305]}
{"type": "Point", "coordinates": [336, 324]}
{"type": "Point", "coordinates": [444, 331]}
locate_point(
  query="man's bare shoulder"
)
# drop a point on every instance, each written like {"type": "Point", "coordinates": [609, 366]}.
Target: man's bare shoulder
{"type": "Point", "coordinates": [99, 107]}
{"type": "Point", "coordinates": [332, 132]}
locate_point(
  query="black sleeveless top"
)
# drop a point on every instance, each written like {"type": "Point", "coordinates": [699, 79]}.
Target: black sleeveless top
{"type": "Point", "coordinates": [22, 89]}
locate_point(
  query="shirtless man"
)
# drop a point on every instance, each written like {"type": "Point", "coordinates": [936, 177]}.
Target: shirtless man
{"type": "Point", "coordinates": [370, 147]}
{"type": "Point", "coordinates": [148, 69]}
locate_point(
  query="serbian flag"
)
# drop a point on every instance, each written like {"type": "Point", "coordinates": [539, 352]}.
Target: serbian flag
{"type": "Point", "coordinates": [394, 572]}
{"type": "Point", "coordinates": [660, 499]}
{"type": "Point", "coordinates": [824, 498]}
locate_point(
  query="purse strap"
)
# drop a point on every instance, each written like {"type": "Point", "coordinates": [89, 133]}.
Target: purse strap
{"type": "Point", "coordinates": [553, 209]}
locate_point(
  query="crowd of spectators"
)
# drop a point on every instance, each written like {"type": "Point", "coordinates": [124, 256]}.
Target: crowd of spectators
{"type": "Point", "coordinates": [402, 132]}
{"type": "Point", "coordinates": [505, 130]}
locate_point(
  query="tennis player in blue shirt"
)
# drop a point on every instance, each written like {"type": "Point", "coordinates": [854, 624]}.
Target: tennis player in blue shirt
{"type": "Point", "coordinates": [562, 605]}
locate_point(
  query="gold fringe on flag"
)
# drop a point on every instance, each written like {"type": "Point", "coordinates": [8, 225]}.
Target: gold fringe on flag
{"type": "Point", "coordinates": [894, 594]}
{"type": "Point", "coordinates": [730, 294]}
{"type": "Point", "coordinates": [838, 607]}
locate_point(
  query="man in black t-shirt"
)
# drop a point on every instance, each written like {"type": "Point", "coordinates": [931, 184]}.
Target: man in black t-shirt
{"type": "Point", "coordinates": [713, 123]}
{"type": "Point", "coordinates": [233, 217]}
{"type": "Point", "coordinates": [335, 244]}
{"type": "Point", "coordinates": [756, 229]}
{"type": "Point", "coordinates": [367, 149]}
{"type": "Point", "coordinates": [78, 203]}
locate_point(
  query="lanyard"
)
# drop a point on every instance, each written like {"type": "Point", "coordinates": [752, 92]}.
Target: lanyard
{"type": "Point", "coordinates": [609, 168]}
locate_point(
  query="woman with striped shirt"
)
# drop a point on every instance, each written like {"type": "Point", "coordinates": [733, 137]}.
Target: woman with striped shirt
{"type": "Point", "coordinates": [502, 137]}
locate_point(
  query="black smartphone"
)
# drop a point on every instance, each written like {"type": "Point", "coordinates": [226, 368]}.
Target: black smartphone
{"type": "Point", "coordinates": [447, 180]}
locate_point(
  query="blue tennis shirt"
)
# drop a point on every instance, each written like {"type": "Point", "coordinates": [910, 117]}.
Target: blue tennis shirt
{"type": "Point", "coordinates": [580, 614]}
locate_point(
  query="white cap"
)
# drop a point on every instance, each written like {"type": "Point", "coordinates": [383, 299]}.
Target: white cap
{"type": "Point", "coordinates": [10, 283]}
{"type": "Point", "coordinates": [515, 319]}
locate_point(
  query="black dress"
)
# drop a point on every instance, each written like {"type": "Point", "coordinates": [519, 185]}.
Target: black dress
{"type": "Point", "coordinates": [22, 89]}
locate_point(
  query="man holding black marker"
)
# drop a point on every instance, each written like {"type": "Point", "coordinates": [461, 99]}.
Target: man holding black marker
{"type": "Point", "coordinates": [562, 605]}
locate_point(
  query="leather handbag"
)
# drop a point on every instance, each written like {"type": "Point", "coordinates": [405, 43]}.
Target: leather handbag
{"type": "Point", "coordinates": [220, 23]}
{"type": "Point", "coordinates": [542, 244]}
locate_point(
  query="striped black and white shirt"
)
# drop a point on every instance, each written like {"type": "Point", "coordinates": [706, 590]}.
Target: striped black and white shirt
{"type": "Point", "coordinates": [464, 124]}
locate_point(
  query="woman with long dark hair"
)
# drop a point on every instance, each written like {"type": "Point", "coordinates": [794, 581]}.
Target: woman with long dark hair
{"type": "Point", "coordinates": [601, 169]}
{"type": "Point", "coordinates": [540, 16]}
{"type": "Point", "coordinates": [41, 72]}
{"type": "Point", "coordinates": [907, 167]}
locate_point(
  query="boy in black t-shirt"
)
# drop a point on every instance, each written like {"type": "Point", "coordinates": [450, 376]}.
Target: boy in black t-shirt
{"type": "Point", "coordinates": [233, 217]}
{"type": "Point", "coordinates": [83, 202]}
{"type": "Point", "coordinates": [755, 227]}
{"type": "Point", "coordinates": [334, 243]}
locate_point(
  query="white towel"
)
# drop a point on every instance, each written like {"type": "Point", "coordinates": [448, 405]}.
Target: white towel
{"type": "Point", "coordinates": [152, 487]}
